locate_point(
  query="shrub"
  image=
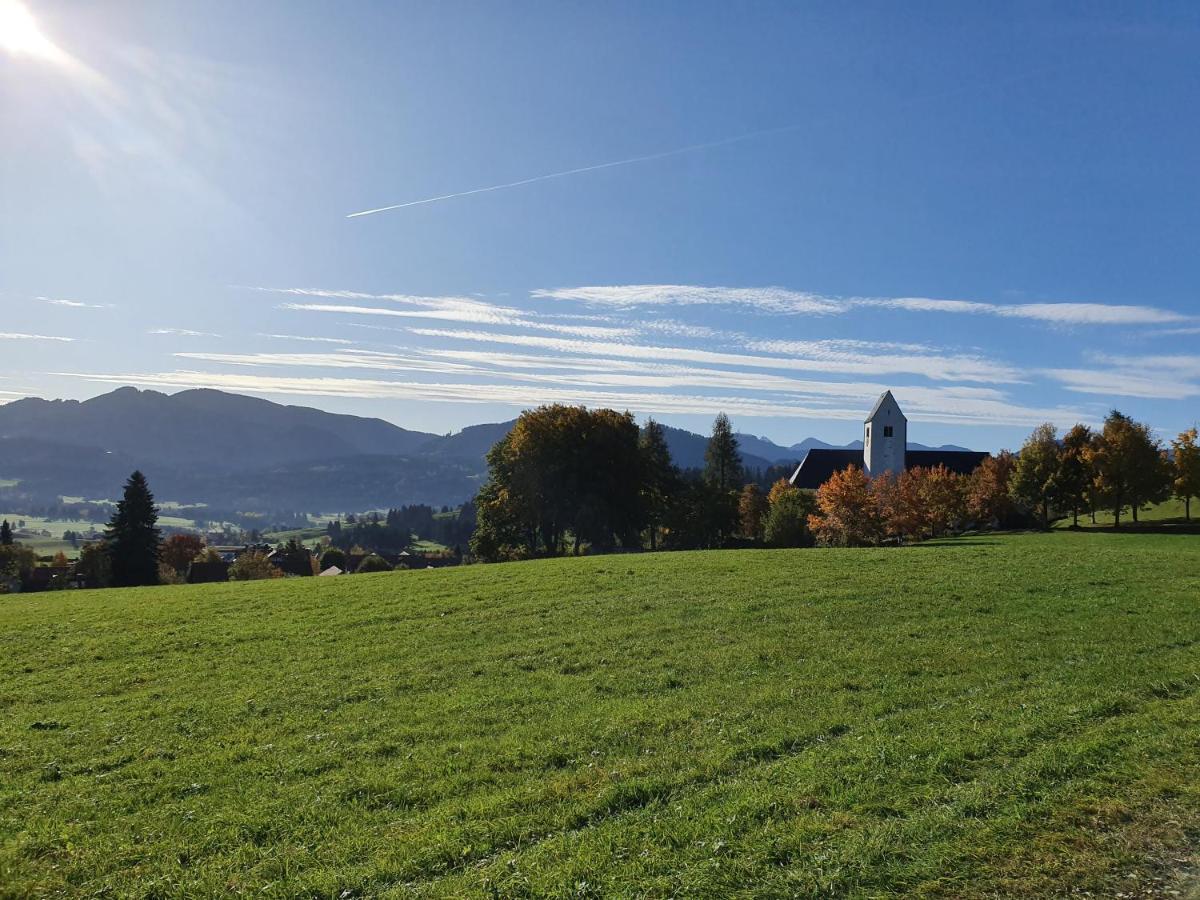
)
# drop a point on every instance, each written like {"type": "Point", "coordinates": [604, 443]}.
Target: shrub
{"type": "Point", "coordinates": [334, 557]}
{"type": "Point", "coordinates": [374, 563]}
{"type": "Point", "coordinates": [253, 566]}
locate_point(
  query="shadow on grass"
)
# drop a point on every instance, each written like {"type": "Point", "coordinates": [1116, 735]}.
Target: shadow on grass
{"type": "Point", "coordinates": [1177, 526]}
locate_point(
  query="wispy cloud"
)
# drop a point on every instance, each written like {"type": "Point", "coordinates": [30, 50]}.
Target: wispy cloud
{"type": "Point", "coordinates": [307, 339]}
{"type": "Point", "coordinates": [1157, 377]}
{"type": "Point", "coordinates": [768, 299]}
{"type": "Point", "coordinates": [987, 409]}
{"type": "Point", "coordinates": [1057, 313]}
{"type": "Point", "coordinates": [467, 310]}
{"type": "Point", "coordinates": [940, 368]}
{"type": "Point", "coordinates": [19, 336]}
{"type": "Point", "coordinates": [73, 304]}
{"type": "Point", "coordinates": [182, 332]}
{"type": "Point", "coordinates": [776, 300]}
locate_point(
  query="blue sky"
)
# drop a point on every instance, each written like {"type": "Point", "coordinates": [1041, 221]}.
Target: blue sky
{"type": "Point", "coordinates": [992, 211]}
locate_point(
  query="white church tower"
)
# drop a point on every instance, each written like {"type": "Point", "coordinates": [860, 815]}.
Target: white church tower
{"type": "Point", "coordinates": [885, 437]}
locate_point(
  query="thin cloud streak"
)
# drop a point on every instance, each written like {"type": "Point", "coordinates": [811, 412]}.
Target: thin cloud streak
{"type": "Point", "coordinates": [73, 304]}
{"type": "Point", "coordinates": [782, 301]}
{"type": "Point", "coordinates": [181, 332]}
{"type": "Point", "coordinates": [19, 336]}
{"type": "Point", "coordinates": [524, 396]}
{"type": "Point", "coordinates": [938, 368]}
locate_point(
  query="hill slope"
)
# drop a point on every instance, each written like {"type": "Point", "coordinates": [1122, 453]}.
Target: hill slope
{"type": "Point", "coordinates": [1000, 715]}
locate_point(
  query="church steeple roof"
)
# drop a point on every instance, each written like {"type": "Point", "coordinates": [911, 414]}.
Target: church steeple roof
{"type": "Point", "coordinates": [885, 396]}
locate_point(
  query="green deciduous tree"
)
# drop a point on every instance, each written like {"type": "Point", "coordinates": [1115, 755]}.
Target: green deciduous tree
{"type": "Point", "coordinates": [562, 471]}
{"type": "Point", "coordinates": [253, 566]}
{"type": "Point", "coordinates": [132, 537]}
{"type": "Point", "coordinates": [1033, 478]}
{"type": "Point", "coordinates": [1072, 481]}
{"type": "Point", "coordinates": [1186, 469]}
{"type": "Point", "coordinates": [786, 522]}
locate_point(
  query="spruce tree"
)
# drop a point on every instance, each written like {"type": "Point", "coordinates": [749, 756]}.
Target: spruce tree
{"type": "Point", "coordinates": [132, 537]}
{"type": "Point", "coordinates": [660, 478]}
{"type": "Point", "coordinates": [6, 534]}
{"type": "Point", "coordinates": [722, 464]}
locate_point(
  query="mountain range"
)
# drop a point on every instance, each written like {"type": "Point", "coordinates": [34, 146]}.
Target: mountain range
{"type": "Point", "coordinates": [237, 452]}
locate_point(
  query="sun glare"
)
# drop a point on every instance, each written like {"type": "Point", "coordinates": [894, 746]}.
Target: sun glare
{"type": "Point", "coordinates": [21, 36]}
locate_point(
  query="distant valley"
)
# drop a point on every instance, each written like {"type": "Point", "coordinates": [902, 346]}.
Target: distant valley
{"type": "Point", "coordinates": [236, 452]}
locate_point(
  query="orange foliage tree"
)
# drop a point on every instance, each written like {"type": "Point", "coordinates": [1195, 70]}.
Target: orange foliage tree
{"type": "Point", "coordinates": [987, 496]}
{"type": "Point", "coordinates": [847, 510]}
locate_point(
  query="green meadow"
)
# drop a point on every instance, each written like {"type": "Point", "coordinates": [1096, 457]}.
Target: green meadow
{"type": "Point", "coordinates": [994, 715]}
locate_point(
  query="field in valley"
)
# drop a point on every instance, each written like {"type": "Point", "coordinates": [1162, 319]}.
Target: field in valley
{"type": "Point", "coordinates": [1014, 715]}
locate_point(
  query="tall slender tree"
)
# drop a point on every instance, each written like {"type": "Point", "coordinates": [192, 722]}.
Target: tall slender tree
{"type": "Point", "coordinates": [722, 463]}
{"type": "Point", "coordinates": [6, 534]}
{"type": "Point", "coordinates": [660, 478]}
{"type": "Point", "coordinates": [132, 537]}
{"type": "Point", "coordinates": [1187, 469]}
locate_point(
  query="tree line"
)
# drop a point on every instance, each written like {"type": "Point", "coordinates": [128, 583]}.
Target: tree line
{"type": "Point", "coordinates": [566, 478]}
{"type": "Point", "coordinates": [1120, 466]}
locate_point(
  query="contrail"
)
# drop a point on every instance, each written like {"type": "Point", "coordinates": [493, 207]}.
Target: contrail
{"type": "Point", "coordinates": [608, 165]}
{"type": "Point", "coordinates": [750, 135]}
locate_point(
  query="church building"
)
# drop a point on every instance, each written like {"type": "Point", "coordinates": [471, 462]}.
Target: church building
{"type": "Point", "coordinates": [884, 449]}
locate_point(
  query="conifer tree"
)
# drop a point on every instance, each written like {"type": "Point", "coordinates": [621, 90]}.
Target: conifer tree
{"type": "Point", "coordinates": [132, 537]}
{"type": "Point", "coordinates": [6, 534]}
{"type": "Point", "coordinates": [722, 464]}
{"type": "Point", "coordinates": [660, 478]}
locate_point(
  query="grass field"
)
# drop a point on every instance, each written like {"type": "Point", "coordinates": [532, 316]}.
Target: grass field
{"type": "Point", "coordinates": [1169, 511]}
{"type": "Point", "coordinates": [998, 715]}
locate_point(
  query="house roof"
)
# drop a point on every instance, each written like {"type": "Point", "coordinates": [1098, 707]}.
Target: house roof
{"type": "Point", "coordinates": [820, 462]}
{"type": "Point", "coordinates": [964, 462]}
{"type": "Point", "coordinates": [886, 395]}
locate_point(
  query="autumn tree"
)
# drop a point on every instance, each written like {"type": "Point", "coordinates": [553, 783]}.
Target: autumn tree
{"type": "Point", "coordinates": [988, 500]}
{"type": "Point", "coordinates": [943, 499]}
{"type": "Point", "coordinates": [1033, 479]}
{"type": "Point", "coordinates": [752, 511]}
{"type": "Point", "coordinates": [1072, 481]}
{"type": "Point", "coordinates": [132, 537]}
{"type": "Point", "coordinates": [660, 482]}
{"type": "Point", "coordinates": [900, 503]}
{"type": "Point", "coordinates": [1186, 473]}
{"type": "Point", "coordinates": [179, 550]}
{"type": "Point", "coordinates": [847, 510]}
{"type": "Point", "coordinates": [1128, 466]}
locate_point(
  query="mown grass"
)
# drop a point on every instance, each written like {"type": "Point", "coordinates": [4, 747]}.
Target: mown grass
{"type": "Point", "coordinates": [1010, 715]}
{"type": "Point", "coordinates": [1168, 511]}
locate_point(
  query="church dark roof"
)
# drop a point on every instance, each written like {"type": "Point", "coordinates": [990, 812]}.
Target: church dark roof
{"type": "Point", "coordinates": [815, 469]}
{"type": "Point", "coordinates": [964, 462]}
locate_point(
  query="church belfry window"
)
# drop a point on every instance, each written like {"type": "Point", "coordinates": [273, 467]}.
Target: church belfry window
{"type": "Point", "coordinates": [887, 430]}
